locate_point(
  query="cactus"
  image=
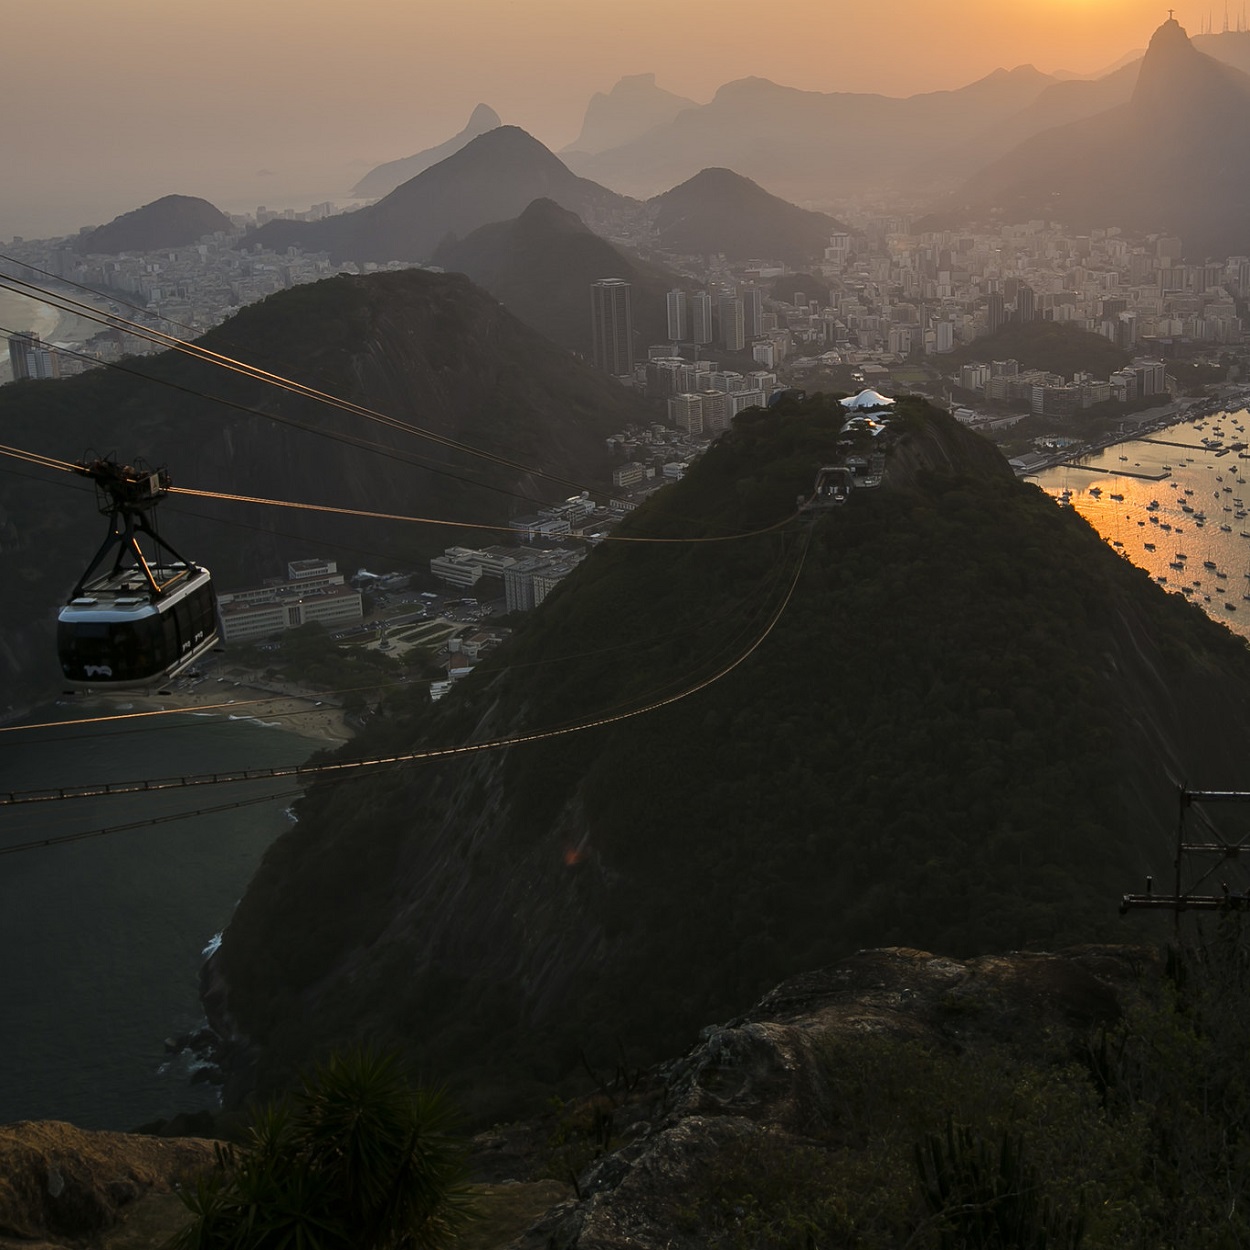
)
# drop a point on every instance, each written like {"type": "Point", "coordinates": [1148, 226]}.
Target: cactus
{"type": "Point", "coordinates": [984, 1197]}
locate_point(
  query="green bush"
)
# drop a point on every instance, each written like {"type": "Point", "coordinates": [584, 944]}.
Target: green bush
{"type": "Point", "coordinates": [357, 1158]}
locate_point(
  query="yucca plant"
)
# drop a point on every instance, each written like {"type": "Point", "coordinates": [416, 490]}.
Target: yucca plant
{"type": "Point", "coordinates": [358, 1159]}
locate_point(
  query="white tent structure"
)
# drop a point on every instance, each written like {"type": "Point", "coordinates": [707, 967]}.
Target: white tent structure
{"type": "Point", "coordinates": [868, 401]}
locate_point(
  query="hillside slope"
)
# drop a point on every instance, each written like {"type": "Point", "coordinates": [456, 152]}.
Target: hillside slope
{"type": "Point", "coordinates": [720, 211]}
{"type": "Point", "coordinates": [429, 349]}
{"type": "Point", "coordinates": [171, 221]}
{"type": "Point", "coordinates": [962, 733]}
{"type": "Point", "coordinates": [540, 267]}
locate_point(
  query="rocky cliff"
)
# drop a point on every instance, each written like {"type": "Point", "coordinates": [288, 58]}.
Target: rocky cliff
{"type": "Point", "coordinates": [66, 1186]}
{"type": "Point", "coordinates": [767, 1128]}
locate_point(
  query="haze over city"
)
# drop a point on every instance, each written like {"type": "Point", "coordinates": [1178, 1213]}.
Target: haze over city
{"type": "Point", "coordinates": [287, 104]}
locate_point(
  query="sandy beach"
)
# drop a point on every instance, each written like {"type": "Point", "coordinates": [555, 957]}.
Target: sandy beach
{"type": "Point", "coordinates": [20, 312]}
{"type": "Point", "coordinates": [308, 714]}
{"type": "Point", "coordinates": [311, 715]}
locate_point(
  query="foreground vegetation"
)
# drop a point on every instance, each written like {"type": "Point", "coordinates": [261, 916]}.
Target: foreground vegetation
{"type": "Point", "coordinates": [357, 1159]}
{"type": "Point", "coordinates": [1129, 1134]}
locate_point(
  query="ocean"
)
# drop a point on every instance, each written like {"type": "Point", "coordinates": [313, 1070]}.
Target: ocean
{"type": "Point", "coordinates": [101, 940]}
{"type": "Point", "coordinates": [20, 313]}
{"type": "Point", "coordinates": [1175, 507]}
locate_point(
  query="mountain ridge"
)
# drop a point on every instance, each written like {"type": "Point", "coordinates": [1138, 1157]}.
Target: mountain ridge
{"type": "Point", "coordinates": [492, 178]}
{"type": "Point", "coordinates": [633, 106]}
{"type": "Point", "coordinates": [384, 178]}
{"type": "Point", "coordinates": [1184, 127]}
{"type": "Point", "coordinates": [957, 734]}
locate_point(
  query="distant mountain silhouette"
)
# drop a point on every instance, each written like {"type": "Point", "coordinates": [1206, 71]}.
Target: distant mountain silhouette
{"type": "Point", "coordinates": [805, 144]}
{"type": "Point", "coordinates": [633, 107]}
{"type": "Point", "coordinates": [383, 179]}
{"type": "Point", "coordinates": [1173, 158]}
{"type": "Point", "coordinates": [171, 221]}
{"type": "Point", "coordinates": [1230, 46]}
{"type": "Point", "coordinates": [1071, 101]}
{"type": "Point", "coordinates": [540, 267]}
{"type": "Point", "coordinates": [492, 178]}
{"type": "Point", "coordinates": [720, 211]}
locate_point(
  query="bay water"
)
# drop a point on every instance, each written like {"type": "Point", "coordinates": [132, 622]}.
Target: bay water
{"type": "Point", "coordinates": [102, 940]}
{"type": "Point", "coordinates": [1176, 507]}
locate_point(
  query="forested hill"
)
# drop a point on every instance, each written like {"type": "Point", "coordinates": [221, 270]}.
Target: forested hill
{"type": "Point", "coordinates": [961, 735]}
{"type": "Point", "coordinates": [429, 350]}
{"type": "Point", "coordinates": [1055, 346]}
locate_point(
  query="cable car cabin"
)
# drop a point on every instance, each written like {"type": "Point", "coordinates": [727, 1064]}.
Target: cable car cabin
{"type": "Point", "coordinates": [833, 487]}
{"type": "Point", "coordinates": [118, 635]}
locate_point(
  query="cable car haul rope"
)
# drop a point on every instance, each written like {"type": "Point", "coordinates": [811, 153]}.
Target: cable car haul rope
{"type": "Point", "coordinates": [344, 768]}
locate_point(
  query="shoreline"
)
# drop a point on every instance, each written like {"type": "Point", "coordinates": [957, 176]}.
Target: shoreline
{"type": "Point", "coordinates": [299, 713]}
{"type": "Point", "coordinates": [271, 706]}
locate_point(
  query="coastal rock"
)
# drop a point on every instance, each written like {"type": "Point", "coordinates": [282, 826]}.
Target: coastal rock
{"type": "Point", "coordinates": [65, 1186]}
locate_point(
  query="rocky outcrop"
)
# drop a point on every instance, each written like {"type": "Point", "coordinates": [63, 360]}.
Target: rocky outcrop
{"type": "Point", "coordinates": [66, 1186]}
{"type": "Point", "coordinates": [762, 1081]}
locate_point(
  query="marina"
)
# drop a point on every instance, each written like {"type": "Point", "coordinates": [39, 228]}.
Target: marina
{"type": "Point", "coordinates": [1167, 503]}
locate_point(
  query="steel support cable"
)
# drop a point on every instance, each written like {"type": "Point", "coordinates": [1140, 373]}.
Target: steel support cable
{"type": "Point", "coordinates": [475, 525]}
{"type": "Point", "coordinates": [442, 468]}
{"type": "Point", "coordinates": [344, 768]}
{"type": "Point", "coordinates": [308, 392]}
{"type": "Point", "coordinates": [199, 709]}
{"type": "Point", "coordinates": [110, 295]}
{"type": "Point", "coordinates": [194, 350]}
{"type": "Point", "coordinates": [37, 458]}
{"type": "Point", "coordinates": [62, 839]}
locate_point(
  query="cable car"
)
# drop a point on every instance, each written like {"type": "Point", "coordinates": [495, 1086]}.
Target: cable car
{"type": "Point", "coordinates": [833, 486]}
{"type": "Point", "coordinates": [148, 617]}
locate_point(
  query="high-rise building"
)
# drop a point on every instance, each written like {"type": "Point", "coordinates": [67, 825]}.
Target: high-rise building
{"type": "Point", "coordinates": [752, 310]}
{"type": "Point", "coordinates": [611, 326]}
{"type": "Point", "coordinates": [686, 412]}
{"type": "Point", "coordinates": [1026, 303]}
{"type": "Point", "coordinates": [701, 318]}
{"type": "Point", "coordinates": [678, 318]}
{"type": "Point", "coordinates": [31, 358]}
{"type": "Point", "coordinates": [732, 329]}
{"type": "Point", "coordinates": [994, 313]}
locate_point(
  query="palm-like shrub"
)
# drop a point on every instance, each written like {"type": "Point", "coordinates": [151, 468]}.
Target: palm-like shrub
{"type": "Point", "coordinates": [357, 1158]}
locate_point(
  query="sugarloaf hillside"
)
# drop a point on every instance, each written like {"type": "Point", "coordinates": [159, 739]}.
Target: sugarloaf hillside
{"type": "Point", "coordinates": [492, 178]}
{"type": "Point", "coordinates": [426, 350]}
{"type": "Point", "coordinates": [171, 221]}
{"type": "Point", "coordinates": [384, 178]}
{"type": "Point", "coordinates": [1172, 159]}
{"type": "Point", "coordinates": [944, 714]}
{"type": "Point", "coordinates": [540, 267]}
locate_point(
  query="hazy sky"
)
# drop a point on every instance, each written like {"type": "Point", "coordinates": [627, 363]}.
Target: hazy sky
{"type": "Point", "coordinates": [286, 102]}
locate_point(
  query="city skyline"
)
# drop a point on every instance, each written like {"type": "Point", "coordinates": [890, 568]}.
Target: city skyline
{"type": "Point", "coordinates": [135, 101]}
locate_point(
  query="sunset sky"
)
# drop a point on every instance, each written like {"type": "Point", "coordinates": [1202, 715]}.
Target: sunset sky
{"type": "Point", "coordinates": [285, 102]}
